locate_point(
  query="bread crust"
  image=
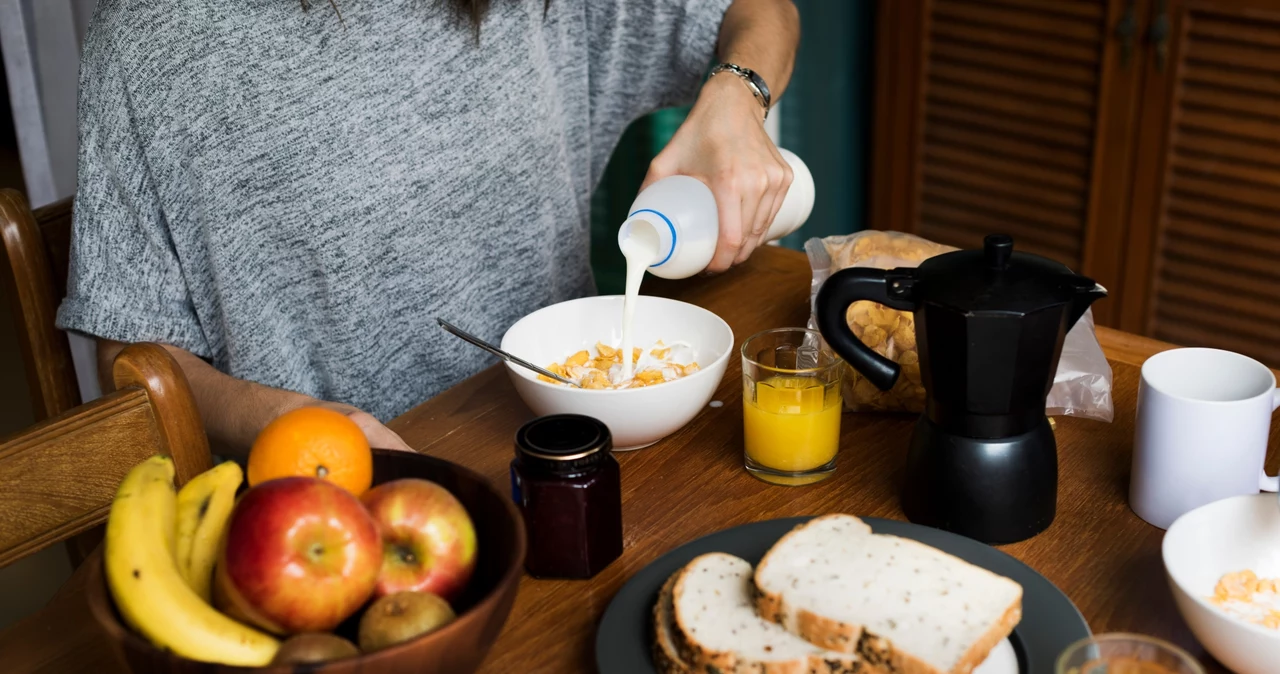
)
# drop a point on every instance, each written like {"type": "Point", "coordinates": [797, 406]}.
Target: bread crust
{"type": "Point", "coordinates": [981, 648]}
{"type": "Point", "coordinates": [665, 657]}
{"type": "Point", "coordinates": [699, 659]}
{"type": "Point", "coordinates": [877, 653]}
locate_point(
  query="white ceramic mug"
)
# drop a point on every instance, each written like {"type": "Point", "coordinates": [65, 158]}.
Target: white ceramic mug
{"type": "Point", "coordinates": [1204, 417]}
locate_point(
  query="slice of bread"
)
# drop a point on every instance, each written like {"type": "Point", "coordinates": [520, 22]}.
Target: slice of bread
{"type": "Point", "coordinates": [900, 604]}
{"type": "Point", "coordinates": [664, 646]}
{"type": "Point", "coordinates": [716, 628]}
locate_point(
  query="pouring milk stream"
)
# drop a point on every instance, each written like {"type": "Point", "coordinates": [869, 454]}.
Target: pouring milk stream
{"type": "Point", "coordinates": [673, 228]}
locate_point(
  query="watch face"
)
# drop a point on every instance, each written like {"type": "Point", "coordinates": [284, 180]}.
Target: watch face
{"type": "Point", "coordinates": [759, 82]}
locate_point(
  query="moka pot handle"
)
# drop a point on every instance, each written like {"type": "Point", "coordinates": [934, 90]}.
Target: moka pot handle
{"type": "Point", "coordinates": [892, 288]}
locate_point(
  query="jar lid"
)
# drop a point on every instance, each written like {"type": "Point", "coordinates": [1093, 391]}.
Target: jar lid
{"type": "Point", "coordinates": [563, 443]}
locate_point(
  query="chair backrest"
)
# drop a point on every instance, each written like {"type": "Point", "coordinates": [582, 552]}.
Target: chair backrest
{"type": "Point", "coordinates": [33, 272]}
{"type": "Point", "coordinates": [58, 478]}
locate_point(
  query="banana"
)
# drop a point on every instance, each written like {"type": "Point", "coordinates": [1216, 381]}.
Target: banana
{"type": "Point", "coordinates": [204, 506]}
{"type": "Point", "coordinates": [149, 590]}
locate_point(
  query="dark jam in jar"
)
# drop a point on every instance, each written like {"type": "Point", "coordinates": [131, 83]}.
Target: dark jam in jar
{"type": "Point", "coordinates": [566, 482]}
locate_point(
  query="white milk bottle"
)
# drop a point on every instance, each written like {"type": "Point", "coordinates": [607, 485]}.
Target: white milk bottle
{"type": "Point", "coordinates": [674, 224]}
{"type": "Point", "coordinates": [673, 228]}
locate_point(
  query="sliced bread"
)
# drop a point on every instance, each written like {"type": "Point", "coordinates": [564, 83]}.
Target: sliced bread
{"type": "Point", "coordinates": [664, 646]}
{"type": "Point", "coordinates": [716, 628]}
{"type": "Point", "coordinates": [900, 604]}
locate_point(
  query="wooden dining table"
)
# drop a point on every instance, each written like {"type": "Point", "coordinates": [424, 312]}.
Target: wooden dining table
{"type": "Point", "coordinates": [692, 483]}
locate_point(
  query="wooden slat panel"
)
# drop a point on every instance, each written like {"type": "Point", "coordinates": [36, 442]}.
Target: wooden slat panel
{"type": "Point", "coordinates": [1217, 328]}
{"type": "Point", "coordinates": [1232, 125]}
{"type": "Point", "coordinates": [1201, 143]}
{"type": "Point", "coordinates": [1212, 215]}
{"type": "Point", "coordinates": [1242, 32]}
{"type": "Point", "coordinates": [983, 56]}
{"type": "Point", "coordinates": [1245, 103]}
{"type": "Point", "coordinates": [1068, 9]}
{"type": "Point", "coordinates": [1011, 188]}
{"type": "Point", "coordinates": [1245, 80]}
{"type": "Point", "coordinates": [948, 93]}
{"type": "Point", "coordinates": [1002, 164]}
{"type": "Point", "coordinates": [1192, 250]}
{"type": "Point", "coordinates": [1233, 55]}
{"type": "Point", "coordinates": [1048, 91]}
{"type": "Point", "coordinates": [1010, 95]}
{"type": "Point", "coordinates": [1201, 287]}
{"type": "Point", "coordinates": [1028, 21]}
{"type": "Point", "coordinates": [957, 195]}
{"type": "Point", "coordinates": [1018, 43]}
{"type": "Point", "coordinates": [1186, 325]}
{"type": "Point", "coordinates": [941, 217]}
{"type": "Point", "coordinates": [1218, 281]}
{"type": "Point", "coordinates": [972, 238]}
{"type": "Point", "coordinates": [1226, 191]}
{"type": "Point", "coordinates": [1250, 174]}
{"type": "Point", "coordinates": [1230, 242]}
{"type": "Point", "coordinates": [1068, 147]}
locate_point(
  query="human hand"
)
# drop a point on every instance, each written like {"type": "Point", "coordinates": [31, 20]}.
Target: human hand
{"type": "Point", "coordinates": [723, 143]}
{"type": "Point", "coordinates": [379, 436]}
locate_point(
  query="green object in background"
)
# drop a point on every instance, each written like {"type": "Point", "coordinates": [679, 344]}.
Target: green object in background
{"type": "Point", "coordinates": [826, 112]}
{"type": "Point", "coordinates": [641, 142]}
{"type": "Point", "coordinates": [823, 117]}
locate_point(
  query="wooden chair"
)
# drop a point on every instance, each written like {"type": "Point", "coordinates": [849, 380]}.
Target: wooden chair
{"type": "Point", "coordinates": [57, 478]}
{"type": "Point", "coordinates": [33, 273]}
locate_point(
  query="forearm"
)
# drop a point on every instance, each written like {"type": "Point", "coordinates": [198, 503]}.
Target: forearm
{"type": "Point", "coordinates": [762, 35]}
{"type": "Point", "coordinates": [233, 410]}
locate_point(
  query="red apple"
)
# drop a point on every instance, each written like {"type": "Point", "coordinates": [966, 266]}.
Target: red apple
{"type": "Point", "coordinates": [428, 539]}
{"type": "Point", "coordinates": [300, 555]}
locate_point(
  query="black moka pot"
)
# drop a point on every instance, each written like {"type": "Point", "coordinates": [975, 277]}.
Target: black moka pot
{"type": "Point", "coordinates": [990, 324]}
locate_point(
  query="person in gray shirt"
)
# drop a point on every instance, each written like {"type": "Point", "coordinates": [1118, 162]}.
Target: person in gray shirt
{"type": "Point", "coordinates": [286, 197]}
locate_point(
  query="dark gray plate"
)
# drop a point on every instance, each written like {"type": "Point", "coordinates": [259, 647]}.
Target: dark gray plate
{"type": "Point", "coordinates": [1050, 622]}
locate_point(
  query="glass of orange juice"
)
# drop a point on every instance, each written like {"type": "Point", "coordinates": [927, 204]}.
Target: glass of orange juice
{"type": "Point", "coordinates": [790, 406]}
{"type": "Point", "coordinates": [1125, 654]}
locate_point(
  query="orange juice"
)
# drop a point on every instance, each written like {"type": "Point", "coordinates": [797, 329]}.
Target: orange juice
{"type": "Point", "coordinates": [793, 424]}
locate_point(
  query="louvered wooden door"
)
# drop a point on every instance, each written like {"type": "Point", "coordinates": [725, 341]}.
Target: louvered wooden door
{"type": "Point", "coordinates": [1205, 247]}
{"type": "Point", "coordinates": [1004, 116]}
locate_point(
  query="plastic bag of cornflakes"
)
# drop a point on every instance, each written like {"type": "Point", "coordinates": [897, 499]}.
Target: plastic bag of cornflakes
{"type": "Point", "coordinates": [1081, 387]}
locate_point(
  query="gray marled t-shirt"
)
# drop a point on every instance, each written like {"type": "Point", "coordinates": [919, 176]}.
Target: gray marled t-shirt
{"type": "Point", "coordinates": [296, 201]}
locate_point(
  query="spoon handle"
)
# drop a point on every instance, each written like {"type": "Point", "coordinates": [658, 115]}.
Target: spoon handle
{"type": "Point", "coordinates": [476, 341]}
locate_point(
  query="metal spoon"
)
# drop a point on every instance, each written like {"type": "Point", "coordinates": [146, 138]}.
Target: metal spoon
{"type": "Point", "coordinates": [472, 339]}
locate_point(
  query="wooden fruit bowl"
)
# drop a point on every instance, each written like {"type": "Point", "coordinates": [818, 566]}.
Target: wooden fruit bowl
{"type": "Point", "coordinates": [456, 649]}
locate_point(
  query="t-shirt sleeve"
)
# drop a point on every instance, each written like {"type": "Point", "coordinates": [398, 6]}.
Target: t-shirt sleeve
{"type": "Point", "coordinates": [647, 55]}
{"type": "Point", "coordinates": [125, 281]}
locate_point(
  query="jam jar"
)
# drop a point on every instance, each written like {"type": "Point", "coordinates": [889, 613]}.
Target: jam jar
{"type": "Point", "coordinates": [567, 483]}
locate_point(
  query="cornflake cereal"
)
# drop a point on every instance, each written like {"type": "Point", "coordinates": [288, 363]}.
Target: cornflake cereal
{"type": "Point", "coordinates": [889, 332]}
{"type": "Point", "coordinates": [1242, 594]}
{"type": "Point", "coordinates": [603, 369]}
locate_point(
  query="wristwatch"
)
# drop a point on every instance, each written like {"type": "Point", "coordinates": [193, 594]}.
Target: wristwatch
{"type": "Point", "coordinates": [754, 82]}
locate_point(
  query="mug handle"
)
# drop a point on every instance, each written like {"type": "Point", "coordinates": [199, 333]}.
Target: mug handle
{"type": "Point", "coordinates": [1271, 482]}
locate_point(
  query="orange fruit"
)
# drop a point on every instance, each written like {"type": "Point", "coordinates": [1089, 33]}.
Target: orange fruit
{"type": "Point", "coordinates": [313, 442]}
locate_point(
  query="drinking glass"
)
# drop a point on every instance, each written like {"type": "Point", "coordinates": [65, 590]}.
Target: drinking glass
{"type": "Point", "coordinates": [1125, 654]}
{"type": "Point", "coordinates": [790, 406]}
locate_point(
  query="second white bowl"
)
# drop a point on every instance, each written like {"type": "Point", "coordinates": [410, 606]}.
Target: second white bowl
{"type": "Point", "coordinates": [636, 417]}
{"type": "Point", "coordinates": [1234, 534]}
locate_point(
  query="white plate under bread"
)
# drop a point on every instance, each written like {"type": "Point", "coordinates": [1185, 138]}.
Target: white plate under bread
{"type": "Point", "coordinates": [831, 596]}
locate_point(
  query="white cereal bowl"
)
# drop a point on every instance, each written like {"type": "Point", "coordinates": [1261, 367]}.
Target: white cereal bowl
{"type": "Point", "coordinates": [636, 417]}
{"type": "Point", "coordinates": [1233, 534]}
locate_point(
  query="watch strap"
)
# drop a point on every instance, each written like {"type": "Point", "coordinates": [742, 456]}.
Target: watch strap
{"type": "Point", "coordinates": [754, 81]}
